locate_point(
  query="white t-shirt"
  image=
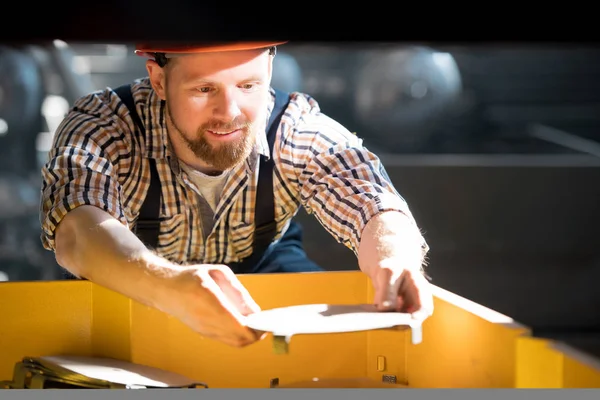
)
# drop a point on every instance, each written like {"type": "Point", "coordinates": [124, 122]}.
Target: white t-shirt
{"type": "Point", "coordinates": [210, 188]}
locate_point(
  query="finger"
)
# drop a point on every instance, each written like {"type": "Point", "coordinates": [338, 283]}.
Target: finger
{"type": "Point", "coordinates": [236, 326]}
{"type": "Point", "coordinates": [419, 296]}
{"type": "Point", "coordinates": [245, 299]}
{"type": "Point", "coordinates": [426, 298]}
{"type": "Point", "coordinates": [409, 293]}
{"type": "Point", "coordinates": [260, 335]}
{"type": "Point", "coordinates": [387, 284]}
{"type": "Point", "coordinates": [234, 290]}
{"type": "Point", "coordinates": [234, 341]}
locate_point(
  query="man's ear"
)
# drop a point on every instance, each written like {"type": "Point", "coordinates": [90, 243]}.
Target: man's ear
{"type": "Point", "coordinates": [157, 78]}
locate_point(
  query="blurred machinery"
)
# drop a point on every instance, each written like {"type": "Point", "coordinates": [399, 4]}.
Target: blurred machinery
{"type": "Point", "coordinates": [395, 97]}
{"type": "Point", "coordinates": [404, 95]}
{"type": "Point", "coordinates": [37, 84]}
{"type": "Point", "coordinates": [21, 98]}
{"type": "Point", "coordinates": [287, 74]}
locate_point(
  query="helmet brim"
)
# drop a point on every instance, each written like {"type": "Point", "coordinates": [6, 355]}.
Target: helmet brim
{"type": "Point", "coordinates": [147, 50]}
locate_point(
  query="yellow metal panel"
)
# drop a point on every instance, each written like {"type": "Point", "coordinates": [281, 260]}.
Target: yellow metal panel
{"type": "Point", "coordinates": [356, 383]}
{"type": "Point", "coordinates": [281, 290]}
{"type": "Point", "coordinates": [537, 366]}
{"type": "Point", "coordinates": [388, 345]}
{"type": "Point", "coordinates": [327, 356]}
{"type": "Point", "coordinates": [546, 363]}
{"type": "Point", "coordinates": [581, 372]}
{"type": "Point", "coordinates": [161, 341]}
{"type": "Point", "coordinates": [39, 318]}
{"type": "Point", "coordinates": [111, 326]}
{"type": "Point", "coordinates": [150, 332]}
{"type": "Point", "coordinates": [465, 345]}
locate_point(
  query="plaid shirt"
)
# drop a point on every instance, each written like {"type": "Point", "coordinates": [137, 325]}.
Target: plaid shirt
{"type": "Point", "coordinates": [99, 158]}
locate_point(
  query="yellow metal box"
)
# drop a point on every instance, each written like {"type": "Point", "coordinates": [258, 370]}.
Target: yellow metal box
{"type": "Point", "coordinates": [465, 345]}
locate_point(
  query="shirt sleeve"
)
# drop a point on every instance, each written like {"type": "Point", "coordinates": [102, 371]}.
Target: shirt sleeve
{"type": "Point", "coordinates": [82, 166]}
{"type": "Point", "coordinates": [336, 178]}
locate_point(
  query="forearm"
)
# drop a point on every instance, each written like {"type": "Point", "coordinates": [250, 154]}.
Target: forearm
{"type": "Point", "coordinates": [93, 245]}
{"type": "Point", "coordinates": [346, 187]}
{"type": "Point", "coordinates": [390, 238]}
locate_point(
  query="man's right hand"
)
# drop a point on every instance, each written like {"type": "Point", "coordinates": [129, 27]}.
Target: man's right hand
{"type": "Point", "coordinates": [213, 302]}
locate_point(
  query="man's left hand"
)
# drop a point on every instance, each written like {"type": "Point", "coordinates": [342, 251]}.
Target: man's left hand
{"type": "Point", "coordinates": [391, 254]}
{"type": "Point", "coordinates": [402, 290]}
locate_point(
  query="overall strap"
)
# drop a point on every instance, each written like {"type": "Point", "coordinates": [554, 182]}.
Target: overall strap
{"type": "Point", "coordinates": [148, 224]}
{"type": "Point", "coordinates": [147, 227]}
{"type": "Point", "coordinates": [265, 203]}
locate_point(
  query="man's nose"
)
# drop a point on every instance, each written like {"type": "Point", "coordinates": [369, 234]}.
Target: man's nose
{"type": "Point", "coordinates": [226, 107]}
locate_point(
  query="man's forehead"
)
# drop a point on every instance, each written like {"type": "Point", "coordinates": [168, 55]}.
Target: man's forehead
{"type": "Point", "coordinates": [206, 65]}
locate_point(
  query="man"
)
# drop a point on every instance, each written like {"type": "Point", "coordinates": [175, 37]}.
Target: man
{"type": "Point", "coordinates": [198, 150]}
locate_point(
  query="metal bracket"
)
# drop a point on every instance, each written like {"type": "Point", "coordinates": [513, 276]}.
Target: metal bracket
{"type": "Point", "coordinates": [281, 344]}
{"type": "Point", "coordinates": [7, 385]}
{"type": "Point", "coordinates": [416, 334]}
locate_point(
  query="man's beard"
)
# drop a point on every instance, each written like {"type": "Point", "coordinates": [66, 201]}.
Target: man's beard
{"type": "Point", "coordinates": [224, 155]}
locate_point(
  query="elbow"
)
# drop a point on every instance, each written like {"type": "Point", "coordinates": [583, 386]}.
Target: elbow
{"type": "Point", "coordinates": [65, 244]}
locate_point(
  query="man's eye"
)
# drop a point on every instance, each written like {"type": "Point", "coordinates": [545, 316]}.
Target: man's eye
{"type": "Point", "coordinates": [247, 86]}
{"type": "Point", "coordinates": [204, 89]}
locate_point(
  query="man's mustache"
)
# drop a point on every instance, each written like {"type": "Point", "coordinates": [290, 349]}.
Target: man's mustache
{"type": "Point", "coordinates": [228, 126]}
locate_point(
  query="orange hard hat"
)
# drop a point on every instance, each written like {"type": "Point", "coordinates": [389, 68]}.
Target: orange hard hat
{"type": "Point", "coordinates": [148, 49]}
